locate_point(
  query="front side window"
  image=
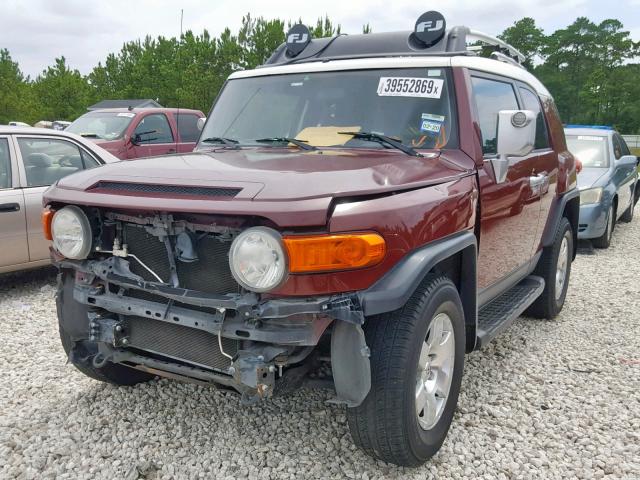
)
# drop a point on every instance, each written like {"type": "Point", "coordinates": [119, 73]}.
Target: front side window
{"type": "Point", "coordinates": [591, 150]}
{"type": "Point", "coordinates": [413, 105]}
{"type": "Point", "coordinates": [188, 127]}
{"type": "Point", "coordinates": [532, 102]}
{"type": "Point", "coordinates": [153, 129]}
{"type": "Point", "coordinates": [47, 160]}
{"type": "Point", "coordinates": [491, 96]}
{"type": "Point", "coordinates": [5, 164]}
{"type": "Point", "coordinates": [102, 125]}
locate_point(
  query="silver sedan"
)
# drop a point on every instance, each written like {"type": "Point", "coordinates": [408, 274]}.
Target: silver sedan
{"type": "Point", "coordinates": [31, 159]}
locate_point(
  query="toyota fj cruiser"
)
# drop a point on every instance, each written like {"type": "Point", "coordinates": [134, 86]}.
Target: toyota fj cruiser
{"type": "Point", "coordinates": [383, 202]}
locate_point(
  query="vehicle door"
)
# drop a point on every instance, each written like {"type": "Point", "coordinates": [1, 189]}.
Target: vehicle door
{"type": "Point", "coordinates": [544, 160]}
{"type": "Point", "coordinates": [188, 131]}
{"type": "Point", "coordinates": [510, 210]}
{"type": "Point", "coordinates": [624, 177]}
{"type": "Point", "coordinates": [153, 136]}
{"type": "Point", "coordinates": [43, 160]}
{"type": "Point", "coordinates": [13, 229]}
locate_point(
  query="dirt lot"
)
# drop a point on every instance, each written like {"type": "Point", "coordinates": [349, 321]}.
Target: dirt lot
{"type": "Point", "coordinates": [549, 399]}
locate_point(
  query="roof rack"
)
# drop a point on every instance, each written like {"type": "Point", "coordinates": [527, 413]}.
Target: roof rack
{"type": "Point", "coordinates": [514, 53]}
{"type": "Point", "coordinates": [430, 37]}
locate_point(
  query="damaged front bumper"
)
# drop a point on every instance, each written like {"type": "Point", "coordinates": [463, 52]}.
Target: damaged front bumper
{"type": "Point", "coordinates": [261, 345]}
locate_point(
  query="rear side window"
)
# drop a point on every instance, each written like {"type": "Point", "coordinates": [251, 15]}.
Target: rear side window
{"type": "Point", "coordinates": [532, 102]}
{"type": "Point", "coordinates": [47, 160]}
{"type": "Point", "coordinates": [154, 129]}
{"type": "Point", "coordinates": [5, 164]}
{"type": "Point", "coordinates": [491, 96]}
{"type": "Point", "coordinates": [188, 127]}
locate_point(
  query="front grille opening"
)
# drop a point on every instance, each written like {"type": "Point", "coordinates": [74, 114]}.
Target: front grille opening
{"type": "Point", "coordinates": [211, 273]}
{"type": "Point", "coordinates": [134, 189]}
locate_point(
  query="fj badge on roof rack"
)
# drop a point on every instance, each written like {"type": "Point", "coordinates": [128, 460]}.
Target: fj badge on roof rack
{"type": "Point", "coordinates": [430, 28]}
{"type": "Point", "coordinates": [297, 39]}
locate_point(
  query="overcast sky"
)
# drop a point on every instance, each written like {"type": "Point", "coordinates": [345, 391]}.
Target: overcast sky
{"type": "Point", "coordinates": [37, 31]}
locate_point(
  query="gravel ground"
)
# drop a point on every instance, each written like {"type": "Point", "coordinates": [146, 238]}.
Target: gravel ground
{"type": "Point", "coordinates": [548, 399]}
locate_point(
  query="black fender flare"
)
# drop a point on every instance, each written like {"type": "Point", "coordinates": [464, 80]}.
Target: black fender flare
{"type": "Point", "coordinates": [393, 290]}
{"type": "Point", "coordinates": [558, 212]}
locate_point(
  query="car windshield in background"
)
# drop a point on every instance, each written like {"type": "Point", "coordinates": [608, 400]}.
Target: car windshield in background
{"type": "Point", "coordinates": [103, 125]}
{"type": "Point", "coordinates": [413, 105]}
{"type": "Point", "coordinates": [591, 150]}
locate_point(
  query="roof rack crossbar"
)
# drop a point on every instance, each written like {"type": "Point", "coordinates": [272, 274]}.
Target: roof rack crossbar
{"type": "Point", "coordinates": [501, 57]}
{"type": "Point", "coordinates": [483, 37]}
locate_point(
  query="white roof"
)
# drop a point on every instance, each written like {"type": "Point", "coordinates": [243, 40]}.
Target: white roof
{"type": "Point", "coordinates": [476, 63]}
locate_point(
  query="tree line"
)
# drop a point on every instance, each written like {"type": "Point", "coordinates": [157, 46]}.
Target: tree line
{"type": "Point", "coordinates": [589, 68]}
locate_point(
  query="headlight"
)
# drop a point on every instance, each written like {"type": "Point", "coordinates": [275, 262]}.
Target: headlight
{"type": "Point", "coordinates": [71, 233]}
{"type": "Point", "coordinates": [590, 195]}
{"type": "Point", "coordinates": [257, 259]}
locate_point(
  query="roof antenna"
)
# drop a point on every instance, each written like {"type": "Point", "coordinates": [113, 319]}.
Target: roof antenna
{"type": "Point", "coordinates": [180, 80]}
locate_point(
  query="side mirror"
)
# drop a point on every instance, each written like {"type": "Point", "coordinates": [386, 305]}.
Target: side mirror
{"type": "Point", "coordinates": [627, 161]}
{"type": "Point", "coordinates": [135, 139]}
{"type": "Point", "coordinates": [201, 122]}
{"type": "Point", "coordinates": [516, 138]}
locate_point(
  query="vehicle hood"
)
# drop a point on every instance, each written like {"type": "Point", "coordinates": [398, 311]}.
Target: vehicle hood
{"type": "Point", "coordinates": [115, 147]}
{"type": "Point", "coordinates": [282, 179]}
{"type": "Point", "coordinates": [588, 177]}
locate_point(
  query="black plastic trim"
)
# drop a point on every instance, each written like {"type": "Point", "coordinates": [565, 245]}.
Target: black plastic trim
{"type": "Point", "coordinates": [557, 213]}
{"type": "Point", "coordinates": [394, 289]}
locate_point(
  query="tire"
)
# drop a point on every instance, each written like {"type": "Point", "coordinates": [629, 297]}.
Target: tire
{"type": "Point", "coordinates": [627, 216]}
{"type": "Point", "coordinates": [84, 351]}
{"type": "Point", "coordinates": [386, 425]}
{"type": "Point", "coordinates": [551, 301]}
{"type": "Point", "coordinates": [605, 240]}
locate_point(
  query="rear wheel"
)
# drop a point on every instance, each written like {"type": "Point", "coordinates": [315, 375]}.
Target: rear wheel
{"type": "Point", "coordinates": [555, 268]}
{"type": "Point", "coordinates": [605, 240]}
{"type": "Point", "coordinates": [417, 356]}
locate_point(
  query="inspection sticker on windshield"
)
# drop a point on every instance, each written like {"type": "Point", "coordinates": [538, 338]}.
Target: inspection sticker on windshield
{"type": "Point", "coordinates": [410, 87]}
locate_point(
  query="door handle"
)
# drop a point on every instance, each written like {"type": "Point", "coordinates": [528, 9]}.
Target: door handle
{"type": "Point", "coordinates": [171, 150]}
{"type": "Point", "coordinates": [9, 207]}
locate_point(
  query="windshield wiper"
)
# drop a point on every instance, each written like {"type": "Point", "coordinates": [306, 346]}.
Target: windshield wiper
{"type": "Point", "coordinates": [90, 135]}
{"type": "Point", "coordinates": [229, 142]}
{"type": "Point", "coordinates": [384, 140]}
{"type": "Point", "coordinates": [299, 143]}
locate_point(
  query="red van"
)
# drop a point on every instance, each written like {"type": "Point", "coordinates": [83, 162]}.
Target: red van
{"type": "Point", "coordinates": [140, 132]}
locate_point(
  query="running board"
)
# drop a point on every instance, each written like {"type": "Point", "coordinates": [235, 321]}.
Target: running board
{"type": "Point", "coordinates": [497, 315]}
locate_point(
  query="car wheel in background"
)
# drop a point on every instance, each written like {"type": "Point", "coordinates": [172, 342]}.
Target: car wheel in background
{"type": "Point", "coordinates": [417, 357]}
{"type": "Point", "coordinates": [605, 240]}
{"type": "Point", "coordinates": [555, 268]}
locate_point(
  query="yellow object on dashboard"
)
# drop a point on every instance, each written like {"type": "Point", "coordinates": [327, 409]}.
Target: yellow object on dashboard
{"type": "Point", "coordinates": [326, 136]}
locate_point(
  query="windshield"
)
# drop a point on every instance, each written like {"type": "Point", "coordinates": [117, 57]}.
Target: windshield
{"type": "Point", "coordinates": [591, 150]}
{"type": "Point", "coordinates": [413, 105]}
{"type": "Point", "coordinates": [104, 125]}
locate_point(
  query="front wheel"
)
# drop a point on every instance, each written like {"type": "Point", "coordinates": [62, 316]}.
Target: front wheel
{"type": "Point", "coordinates": [605, 240]}
{"type": "Point", "coordinates": [627, 216]}
{"type": "Point", "coordinates": [417, 357]}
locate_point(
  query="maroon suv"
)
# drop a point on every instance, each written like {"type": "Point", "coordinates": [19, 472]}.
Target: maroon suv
{"type": "Point", "coordinates": [130, 133]}
{"type": "Point", "coordinates": [383, 202]}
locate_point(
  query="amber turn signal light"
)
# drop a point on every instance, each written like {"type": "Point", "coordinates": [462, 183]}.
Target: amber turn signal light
{"type": "Point", "coordinates": [47, 216]}
{"type": "Point", "coordinates": [326, 253]}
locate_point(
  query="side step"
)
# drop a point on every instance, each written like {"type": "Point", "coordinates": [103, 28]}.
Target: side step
{"type": "Point", "coordinates": [497, 315]}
